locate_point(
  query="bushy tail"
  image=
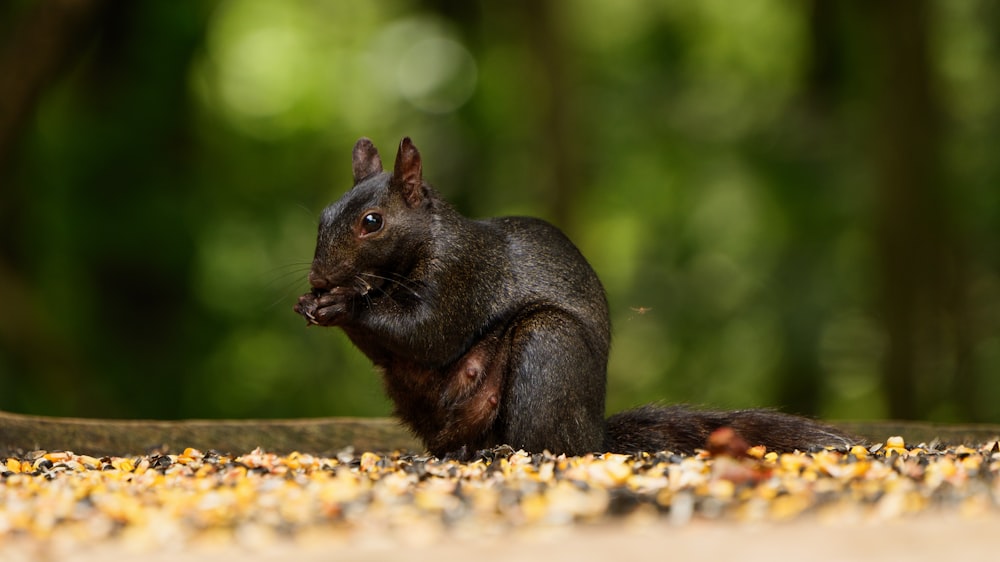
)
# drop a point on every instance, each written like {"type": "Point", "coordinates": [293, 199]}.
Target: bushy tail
{"type": "Point", "coordinates": [682, 429]}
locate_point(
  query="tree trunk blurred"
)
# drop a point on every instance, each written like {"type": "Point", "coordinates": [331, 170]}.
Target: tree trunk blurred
{"type": "Point", "coordinates": [920, 269]}
{"type": "Point", "coordinates": [43, 41]}
{"type": "Point", "coordinates": [800, 385]}
{"type": "Point", "coordinates": [554, 144]}
{"type": "Point", "coordinates": [555, 141]}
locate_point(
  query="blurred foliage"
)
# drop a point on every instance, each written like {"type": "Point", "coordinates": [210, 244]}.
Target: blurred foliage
{"type": "Point", "coordinates": [790, 203]}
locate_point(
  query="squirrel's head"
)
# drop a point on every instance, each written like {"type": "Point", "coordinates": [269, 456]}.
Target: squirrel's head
{"type": "Point", "coordinates": [376, 232]}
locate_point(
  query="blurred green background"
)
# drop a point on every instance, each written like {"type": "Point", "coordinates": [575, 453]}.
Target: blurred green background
{"type": "Point", "coordinates": [791, 203]}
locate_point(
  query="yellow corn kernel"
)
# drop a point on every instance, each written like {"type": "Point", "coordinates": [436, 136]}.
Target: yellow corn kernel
{"type": "Point", "coordinates": [895, 442]}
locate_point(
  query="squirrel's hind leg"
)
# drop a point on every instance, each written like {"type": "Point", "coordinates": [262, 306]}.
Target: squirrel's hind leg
{"type": "Point", "coordinates": [554, 398]}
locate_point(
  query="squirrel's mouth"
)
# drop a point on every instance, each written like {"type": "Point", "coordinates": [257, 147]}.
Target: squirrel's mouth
{"type": "Point", "coordinates": [360, 285]}
{"type": "Point", "coordinates": [332, 305]}
{"type": "Point", "coordinates": [357, 288]}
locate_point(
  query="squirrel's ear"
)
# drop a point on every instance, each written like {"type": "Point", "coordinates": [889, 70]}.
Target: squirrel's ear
{"type": "Point", "coordinates": [366, 160]}
{"type": "Point", "coordinates": [408, 173]}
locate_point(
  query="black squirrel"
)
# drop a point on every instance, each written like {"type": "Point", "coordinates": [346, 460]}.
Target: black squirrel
{"type": "Point", "coordinates": [494, 331]}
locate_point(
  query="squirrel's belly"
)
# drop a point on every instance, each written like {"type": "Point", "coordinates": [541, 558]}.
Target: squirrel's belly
{"type": "Point", "coordinates": [455, 406]}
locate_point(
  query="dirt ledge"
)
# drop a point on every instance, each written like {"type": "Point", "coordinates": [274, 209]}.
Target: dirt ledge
{"type": "Point", "coordinates": [20, 432]}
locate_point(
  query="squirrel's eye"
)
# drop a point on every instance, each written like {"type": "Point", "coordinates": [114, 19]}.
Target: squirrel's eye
{"type": "Point", "coordinates": [372, 222]}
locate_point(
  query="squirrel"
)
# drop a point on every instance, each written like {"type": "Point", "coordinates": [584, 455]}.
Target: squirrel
{"type": "Point", "coordinates": [492, 332]}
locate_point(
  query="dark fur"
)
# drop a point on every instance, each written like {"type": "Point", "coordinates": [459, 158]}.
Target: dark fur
{"type": "Point", "coordinates": [493, 331]}
{"type": "Point", "coordinates": [683, 429]}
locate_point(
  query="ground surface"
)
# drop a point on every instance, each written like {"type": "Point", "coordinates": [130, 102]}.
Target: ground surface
{"type": "Point", "coordinates": [927, 537]}
{"type": "Point", "coordinates": [888, 501]}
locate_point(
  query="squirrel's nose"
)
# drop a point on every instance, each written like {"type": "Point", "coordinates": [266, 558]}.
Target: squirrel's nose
{"type": "Point", "coordinates": [318, 281]}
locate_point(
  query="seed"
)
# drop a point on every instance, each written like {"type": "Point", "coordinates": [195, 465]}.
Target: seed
{"type": "Point", "coordinates": [895, 442]}
{"type": "Point", "coordinates": [859, 452]}
{"type": "Point", "coordinates": [261, 496]}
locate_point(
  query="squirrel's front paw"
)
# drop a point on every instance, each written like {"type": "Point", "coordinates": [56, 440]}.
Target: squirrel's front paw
{"type": "Point", "coordinates": [306, 307]}
{"type": "Point", "coordinates": [323, 309]}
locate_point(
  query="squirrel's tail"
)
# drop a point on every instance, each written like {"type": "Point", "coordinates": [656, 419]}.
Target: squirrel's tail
{"type": "Point", "coordinates": [682, 429]}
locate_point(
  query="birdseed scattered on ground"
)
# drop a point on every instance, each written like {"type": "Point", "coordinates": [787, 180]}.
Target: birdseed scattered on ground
{"type": "Point", "coordinates": [257, 498]}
